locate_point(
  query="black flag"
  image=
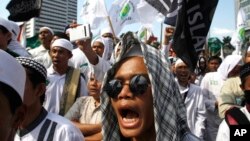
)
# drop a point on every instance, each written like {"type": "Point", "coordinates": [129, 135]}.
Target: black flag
{"type": "Point", "coordinates": [23, 10]}
{"type": "Point", "coordinates": [193, 23]}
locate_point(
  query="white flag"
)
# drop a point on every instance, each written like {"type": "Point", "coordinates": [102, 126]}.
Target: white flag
{"type": "Point", "coordinates": [148, 14]}
{"type": "Point", "coordinates": [239, 36]}
{"type": "Point", "coordinates": [123, 12]}
{"type": "Point", "coordinates": [94, 12]}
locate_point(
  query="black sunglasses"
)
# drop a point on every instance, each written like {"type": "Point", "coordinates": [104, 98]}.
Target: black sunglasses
{"type": "Point", "coordinates": [138, 85]}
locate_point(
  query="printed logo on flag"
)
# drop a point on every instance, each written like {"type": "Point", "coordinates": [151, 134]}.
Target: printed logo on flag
{"type": "Point", "coordinates": [127, 9]}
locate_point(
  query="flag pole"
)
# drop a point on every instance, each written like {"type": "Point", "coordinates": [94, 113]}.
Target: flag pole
{"type": "Point", "coordinates": [113, 31]}
{"type": "Point", "coordinates": [161, 35]}
{"type": "Point", "coordinates": [146, 35]}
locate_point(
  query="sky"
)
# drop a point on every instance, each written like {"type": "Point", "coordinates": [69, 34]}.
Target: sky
{"type": "Point", "coordinates": [223, 23]}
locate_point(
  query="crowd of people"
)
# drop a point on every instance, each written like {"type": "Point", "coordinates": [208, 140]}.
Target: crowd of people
{"type": "Point", "coordinates": [109, 88]}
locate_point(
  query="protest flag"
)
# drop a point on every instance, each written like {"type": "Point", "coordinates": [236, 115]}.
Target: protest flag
{"type": "Point", "coordinates": [123, 12]}
{"type": "Point", "coordinates": [239, 35]}
{"type": "Point", "coordinates": [193, 22]}
{"type": "Point", "coordinates": [24, 10]}
{"type": "Point", "coordinates": [94, 12]}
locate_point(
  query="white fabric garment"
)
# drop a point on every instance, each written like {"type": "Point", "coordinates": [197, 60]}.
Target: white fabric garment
{"type": "Point", "coordinates": [109, 48]}
{"type": "Point", "coordinates": [52, 127]}
{"type": "Point", "coordinates": [224, 132]}
{"type": "Point", "coordinates": [63, 43]}
{"type": "Point", "coordinates": [16, 47]}
{"type": "Point", "coordinates": [54, 90]}
{"type": "Point", "coordinates": [79, 60]}
{"type": "Point", "coordinates": [196, 110]}
{"type": "Point", "coordinates": [211, 85]}
{"type": "Point", "coordinates": [41, 55]}
{"type": "Point", "coordinates": [12, 73]}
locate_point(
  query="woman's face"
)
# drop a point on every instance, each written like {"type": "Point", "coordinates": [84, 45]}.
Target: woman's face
{"type": "Point", "coordinates": [134, 111]}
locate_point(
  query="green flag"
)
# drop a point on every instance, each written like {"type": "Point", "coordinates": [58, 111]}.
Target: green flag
{"type": "Point", "coordinates": [33, 42]}
{"type": "Point", "coordinates": [214, 45]}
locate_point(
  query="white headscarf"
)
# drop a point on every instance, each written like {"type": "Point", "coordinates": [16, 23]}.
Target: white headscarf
{"type": "Point", "coordinates": [228, 64]}
{"type": "Point", "coordinates": [108, 46]}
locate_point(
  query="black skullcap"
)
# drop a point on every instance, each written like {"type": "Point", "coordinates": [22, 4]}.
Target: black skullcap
{"type": "Point", "coordinates": [244, 71]}
{"type": "Point", "coordinates": [31, 63]}
{"type": "Point", "coordinates": [61, 35]}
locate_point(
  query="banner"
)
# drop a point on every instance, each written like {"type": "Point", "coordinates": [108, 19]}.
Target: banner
{"type": "Point", "coordinates": [94, 12]}
{"type": "Point", "coordinates": [169, 8]}
{"type": "Point", "coordinates": [193, 23]}
{"type": "Point", "coordinates": [239, 35]}
{"type": "Point", "coordinates": [123, 12]}
{"type": "Point", "coordinates": [24, 10]}
{"type": "Point", "coordinates": [148, 14]}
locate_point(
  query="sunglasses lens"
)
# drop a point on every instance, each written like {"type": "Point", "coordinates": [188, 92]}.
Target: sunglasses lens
{"type": "Point", "coordinates": [113, 88]}
{"type": "Point", "coordinates": [138, 84]}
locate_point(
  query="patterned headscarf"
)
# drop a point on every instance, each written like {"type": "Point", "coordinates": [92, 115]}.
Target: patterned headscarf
{"type": "Point", "coordinates": [169, 110]}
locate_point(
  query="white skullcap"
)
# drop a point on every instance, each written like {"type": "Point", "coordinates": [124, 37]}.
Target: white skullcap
{"type": "Point", "coordinates": [46, 28]}
{"type": "Point", "coordinates": [106, 30]}
{"type": "Point", "coordinates": [98, 39]}
{"type": "Point", "coordinates": [5, 23]}
{"type": "Point", "coordinates": [14, 30]}
{"type": "Point", "coordinates": [63, 43]}
{"type": "Point", "coordinates": [12, 73]}
{"type": "Point", "coordinates": [179, 61]}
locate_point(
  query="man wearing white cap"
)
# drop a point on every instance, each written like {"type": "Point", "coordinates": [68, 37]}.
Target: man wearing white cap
{"type": "Point", "coordinates": [41, 53]}
{"type": "Point", "coordinates": [38, 123]}
{"type": "Point", "coordinates": [193, 99]}
{"type": "Point", "coordinates": [211, 85]}
{"type": "Point", "coordinates": [65, 83]}
{"type": "Point", "coordinates": [12, 111]}
{"type": "Point", "coordinates": [14, 45]}
{"type": "Point", "coordinates": [6, 36]}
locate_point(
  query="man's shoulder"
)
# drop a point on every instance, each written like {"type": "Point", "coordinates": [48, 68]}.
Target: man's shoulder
{"type": "Point", "coordinates": [60, 121]}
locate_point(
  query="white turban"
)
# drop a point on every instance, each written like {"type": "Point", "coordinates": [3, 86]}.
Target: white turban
{"type": "Point", "coordinates": [106, 30]}
{"type": "Point", "coordinates": [12, 73]}
{"type": "Point", "coordinates": [5, 23]}
{"type": "Point", "coordinates": [46, 28]}
{"type": "Point", "coordinates": [63, 43]}
{"type": "Point", "coordinates": [14, 30]}
{"type": "Point", "coordinates": [179, 61]}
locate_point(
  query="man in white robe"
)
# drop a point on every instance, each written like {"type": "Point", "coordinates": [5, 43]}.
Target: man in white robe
{"type": "Point", "coordinates": [60, 54]}
{"type": "Point", "coordinates": [193, 99]}
{"type": "Point", "coordinates": [211, 85]}
{"type": "Point", "coordinates": [41, 53]}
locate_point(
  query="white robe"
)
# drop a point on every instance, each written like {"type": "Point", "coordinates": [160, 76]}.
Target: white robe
{"type": "Point", "coordinates": [54, 90]}
{"type": "Point", "coordinates": [196, 110]}
{"type": "Point", "coordinates": [41, 55]}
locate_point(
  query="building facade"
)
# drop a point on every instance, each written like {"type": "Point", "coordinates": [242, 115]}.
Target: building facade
{"type": "Point", "coordinates": [56, 14]}
{"type": "Point", "coordinates": [245, 5]}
